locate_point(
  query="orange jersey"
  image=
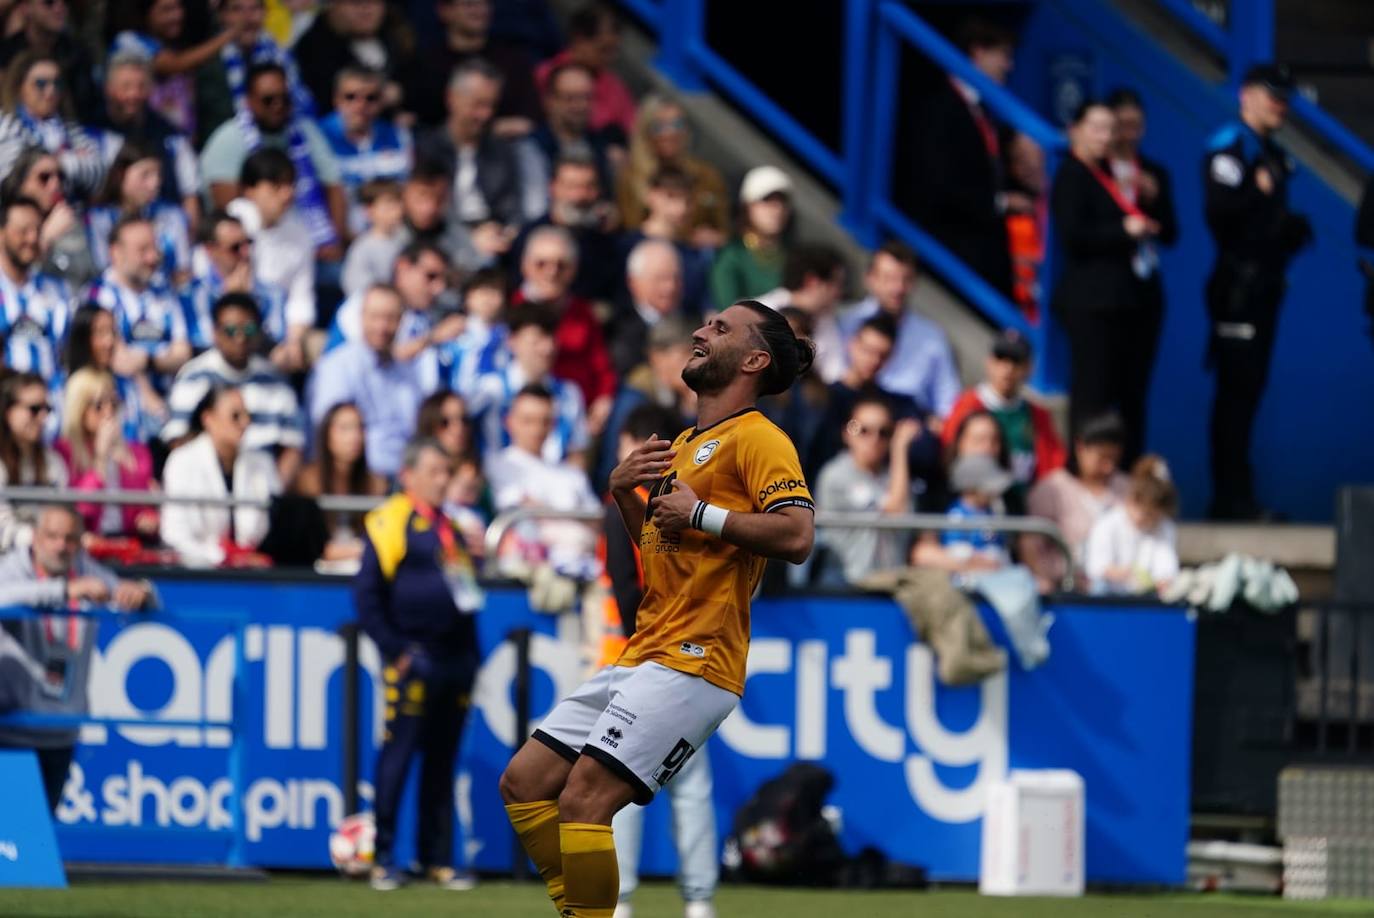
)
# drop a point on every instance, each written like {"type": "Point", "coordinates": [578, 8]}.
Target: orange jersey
{"type": "Point", "coordinates": [694, 617]}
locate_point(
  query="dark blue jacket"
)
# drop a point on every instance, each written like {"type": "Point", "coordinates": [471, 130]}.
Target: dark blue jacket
{"type": "Point", "coordinates": [401, 592]}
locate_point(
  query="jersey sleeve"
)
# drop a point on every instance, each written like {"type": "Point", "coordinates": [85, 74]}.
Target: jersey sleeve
{"type": "Point", "coordinates": [770, 470]}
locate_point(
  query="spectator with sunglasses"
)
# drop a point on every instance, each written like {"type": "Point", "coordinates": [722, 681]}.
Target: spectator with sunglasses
{"type": "Point", "coordinates": [216, 463]}
{"type": "Point", "coordinates": [46, 31]}
{"type": "Point", "coordinates": [663, 139]}
{"type": "Point", "coordinates": [223, 263]}
{"type": "Point", "coordinates": [270, 120]}
{"type": "Point", "coordinates": [34, 116]}
{"type": "Point", "coordinates": [420, 275]}
{"type": "Point", "coordinates": [367, 146]}
{"type": "Point", "coordinates": [101, 457]}
{"type": "Point", "coordinates": [276, 422]}
{"type": "Point", "coordinates": [870, 474]}
{"type": "Point", "coordinates": [63, 248]}
{"type": "Point", "coordinates": [24, 459]}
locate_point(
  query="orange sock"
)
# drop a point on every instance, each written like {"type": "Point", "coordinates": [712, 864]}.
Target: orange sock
{"type": "Point", "coordinates": [591, 874]}
{"type": "Point", "coordinates": [537, 826]}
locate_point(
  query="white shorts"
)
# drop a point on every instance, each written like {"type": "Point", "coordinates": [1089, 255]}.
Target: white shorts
{"type": "Point", "coordinates": [642, 722]}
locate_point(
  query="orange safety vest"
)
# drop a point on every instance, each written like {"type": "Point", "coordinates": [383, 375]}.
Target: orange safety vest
{"type": "Point", "coordinates": [613, 639]}
{"type": "Point", "coordinates": [1027, 254]}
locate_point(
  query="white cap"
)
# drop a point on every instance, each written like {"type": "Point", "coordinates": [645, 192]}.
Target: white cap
{"type": "Point", "coordinates": [761, 181]}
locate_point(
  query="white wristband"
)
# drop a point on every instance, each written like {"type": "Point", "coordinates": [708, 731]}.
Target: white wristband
{"type": "Point", "coordinates": [709, 518]}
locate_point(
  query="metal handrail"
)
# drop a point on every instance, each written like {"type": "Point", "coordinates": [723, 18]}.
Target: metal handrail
{"type": "Point", "coordinates": [501, 525]}
{"type": "Point", "coordinates": [330, 503]}
{"type": "Point", "coordinates": [825, 519]}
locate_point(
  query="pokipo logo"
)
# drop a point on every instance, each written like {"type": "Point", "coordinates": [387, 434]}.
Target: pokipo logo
{"type": "Point", "coordinates": [779, 486]}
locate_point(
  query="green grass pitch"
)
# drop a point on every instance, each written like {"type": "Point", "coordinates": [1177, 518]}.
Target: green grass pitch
{"type": "Point", "coordinates": [291, 895]}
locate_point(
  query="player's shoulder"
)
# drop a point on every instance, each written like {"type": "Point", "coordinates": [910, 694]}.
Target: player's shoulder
{"type": "Point", "coordinates": [755, 427]}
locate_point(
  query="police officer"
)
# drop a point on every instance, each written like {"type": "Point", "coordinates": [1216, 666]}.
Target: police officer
{"type": "Point", "coordinates": [1246, 178]}
{"type": "Point", "coordinates": [416, 594]}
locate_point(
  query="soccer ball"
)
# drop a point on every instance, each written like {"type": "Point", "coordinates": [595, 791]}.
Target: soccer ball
{"type": "Point", "coordinates": [351, 848]}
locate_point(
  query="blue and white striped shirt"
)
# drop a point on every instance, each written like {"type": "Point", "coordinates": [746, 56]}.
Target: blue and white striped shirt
{"type": "Point", "coordinates": [169, 226]}
{"type": "Point", "coordinates": [150, 319]}
{"type": "Point", "coordinates": [33, 322]}
{"type": "Point", "coordinates": [276, 420]}
{"type": "Point", "coordinates": [479, 350]}
{"type": "Point", "coordinates": [206, 286]}
{"type": "Point", "coordinates": [385, 154]}
{"type": "Point", "coordinates": [491, 400]}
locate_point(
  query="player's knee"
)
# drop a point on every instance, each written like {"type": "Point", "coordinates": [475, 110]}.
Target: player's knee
{"type": "Point", "coordinates": [509, 787]}
{"type": "Point", "coordinates": [592, 795]}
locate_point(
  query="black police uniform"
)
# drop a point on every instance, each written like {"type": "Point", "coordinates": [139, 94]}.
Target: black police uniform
{"type": "Point", "coordinates": [1256, 235]}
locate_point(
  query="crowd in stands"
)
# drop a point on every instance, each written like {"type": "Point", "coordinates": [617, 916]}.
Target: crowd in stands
{"type": "Point", "coordinates": [252, 252]}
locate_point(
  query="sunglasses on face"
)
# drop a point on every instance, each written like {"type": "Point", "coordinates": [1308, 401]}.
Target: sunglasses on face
{"type": "Point", "coordinates": [246, 330]}
{"type": "Point", "coordinates": [43, 84]}
{"type": "Point", "coordinates": [35, 409]}
{"type": "Point", "coordinates": [371, 98]}
{"type": "Point", "coordinates": [668, 127]}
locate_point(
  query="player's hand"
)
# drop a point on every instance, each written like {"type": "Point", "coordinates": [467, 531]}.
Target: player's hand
{"type": "Point", "coordinates": [673, 511]}
{"type": "Point", "coordinates": [645, 464]}
{"type": "Point", "coordinates": [1264, 180]}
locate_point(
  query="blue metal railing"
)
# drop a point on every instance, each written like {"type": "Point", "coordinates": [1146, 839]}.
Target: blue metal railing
{"type": "Point", "coordinates": [1248, 39]}
{"type": "Point", "coordinates": [236, 765]}
{"type": "Point", "coordinates": [874, 33]}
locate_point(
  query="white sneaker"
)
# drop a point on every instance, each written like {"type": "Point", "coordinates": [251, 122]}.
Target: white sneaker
{"type": "Point", "coordinates": [701, 909]}
{"type": "Point", "coordinates": [624, 910]}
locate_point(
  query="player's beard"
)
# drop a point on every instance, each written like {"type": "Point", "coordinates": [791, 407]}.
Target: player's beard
{"type": "Point", "coordinates": [712, 374]}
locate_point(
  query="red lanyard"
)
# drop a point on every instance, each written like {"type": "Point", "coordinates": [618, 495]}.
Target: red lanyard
{"type": "Point", "coordinates": [982, 122]}
{"type": "Point", "coordinates": [1106, 181]}
{"type": "Point", "coordinates": [72, 621]}
{"type": "Point", "coordinates": [439, 523]}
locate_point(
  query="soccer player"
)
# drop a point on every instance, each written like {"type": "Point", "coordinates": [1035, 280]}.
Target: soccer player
{"type": "Point", "coordinates": [724, 497]}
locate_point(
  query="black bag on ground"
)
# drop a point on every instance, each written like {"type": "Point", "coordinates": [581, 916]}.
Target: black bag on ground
{"type": "Point", "coordinates": [780, 836]}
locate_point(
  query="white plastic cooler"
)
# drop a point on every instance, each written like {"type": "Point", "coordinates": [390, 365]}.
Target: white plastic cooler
{"type": "Point", "coordinates": [1033, 835]}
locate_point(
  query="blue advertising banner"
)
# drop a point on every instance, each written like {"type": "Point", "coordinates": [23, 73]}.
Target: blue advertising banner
{"type": "Point", "coordinates": [838, 680]}
{"type": "Point", "coordinates": [28, 851]}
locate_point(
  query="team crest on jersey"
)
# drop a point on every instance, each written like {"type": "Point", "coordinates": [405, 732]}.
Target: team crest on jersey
{"type": "Point", "coordinates": [705, 451]}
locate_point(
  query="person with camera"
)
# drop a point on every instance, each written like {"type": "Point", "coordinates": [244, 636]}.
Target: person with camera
{"type": "Point", "coordinates": [1246, 176]}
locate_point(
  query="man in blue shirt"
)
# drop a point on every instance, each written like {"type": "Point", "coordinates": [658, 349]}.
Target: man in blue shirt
{"type": "Point", "coordinates": [366, 145]}
{"type": "Point", "coordinates": [386, 391]}
{"type": "Point", "coordinates": [223, 263]}
{"type": "Point", "coordinates": [922, 365]}
{"type": "Point", "coordinates": [416, 593]}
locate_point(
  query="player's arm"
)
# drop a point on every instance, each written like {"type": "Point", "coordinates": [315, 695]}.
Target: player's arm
{"type": "Point", "coordinates": [786, 533]}
{"type": "Point", "coordinates": [645, 465]}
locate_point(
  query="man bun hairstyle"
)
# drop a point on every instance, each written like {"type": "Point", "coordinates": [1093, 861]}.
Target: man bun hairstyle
{"type": "Point", "coordinates": [791, 356]}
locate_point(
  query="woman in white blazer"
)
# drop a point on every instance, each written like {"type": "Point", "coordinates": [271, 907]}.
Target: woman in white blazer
{"type": "Point", "coordinates": [211, 464]}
